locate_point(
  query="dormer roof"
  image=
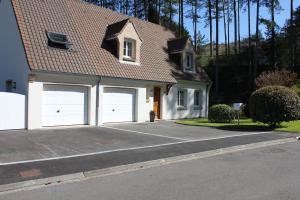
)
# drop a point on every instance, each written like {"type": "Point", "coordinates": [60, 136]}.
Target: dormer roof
{"type": "Point", "coordinates": [115, 29]}
{"type": "Point", "coordinates": [177, 45]}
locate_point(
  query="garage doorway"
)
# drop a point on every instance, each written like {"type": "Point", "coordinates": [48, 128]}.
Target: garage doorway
{"type": "Point", "coordinates": [64, 105]}
{"type": "Point", "coordinates": [118, 105]}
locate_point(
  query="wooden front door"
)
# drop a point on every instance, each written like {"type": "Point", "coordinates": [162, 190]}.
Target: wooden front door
{"type": "Point", "coordinates": [156, 104]}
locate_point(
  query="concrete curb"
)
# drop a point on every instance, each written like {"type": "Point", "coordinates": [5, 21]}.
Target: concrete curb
{"type": "Point", "coordinates": [39, 183]}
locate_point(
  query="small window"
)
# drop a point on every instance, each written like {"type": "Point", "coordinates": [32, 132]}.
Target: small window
{"type": "Point", "coordinates": [189, 62]}
{"type": "Point", "coordinates": [58, 40]}
{"type": "Point", "coordinates": [197, 98]}
{"type": "Point", "coordinates": [128, 50]}
{"type": "Point", "coordinates": [181, 98]}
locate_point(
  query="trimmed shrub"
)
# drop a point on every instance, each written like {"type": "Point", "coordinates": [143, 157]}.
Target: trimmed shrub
{"type": "Point", "coordinates": [220, 113]}
{"type": "Point", "coordinates": [274, 104]}
{"type": "Point", "coordinates": [276, 78]}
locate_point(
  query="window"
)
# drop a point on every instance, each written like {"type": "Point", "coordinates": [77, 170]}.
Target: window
{"type": "Point", "coordinates": [181, 98]}
{"type": "Point", "coordinates": [189, 62]}
{"type": "Point", "coordinates": [128, 50]}
{"type": "Point", "coordinates": [197, 98]}
{"type": "Point", "coordinates": [58, 40]}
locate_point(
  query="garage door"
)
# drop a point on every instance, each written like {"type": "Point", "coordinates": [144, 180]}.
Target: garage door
{"type": "Point", "coordinates": [64, 105]}
{"type": "Point", "coordinates": [118, 105]}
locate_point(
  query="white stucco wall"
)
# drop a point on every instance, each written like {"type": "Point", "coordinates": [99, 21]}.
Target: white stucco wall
{"type": "Point", "coordinates": [144, 97]}
{"type": "Point", "coordinates": [13, 63]}
{"type": "Point", "coordinates": [170, 109]}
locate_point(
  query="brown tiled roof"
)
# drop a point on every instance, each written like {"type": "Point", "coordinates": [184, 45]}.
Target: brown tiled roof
{"type": "Point", "coordinates": [86, 25]}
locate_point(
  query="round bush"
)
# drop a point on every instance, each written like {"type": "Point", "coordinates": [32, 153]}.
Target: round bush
{"type": "Point", "coordinates": [274, 104]}
{"type": "Point", "coordinates": [220, 114]}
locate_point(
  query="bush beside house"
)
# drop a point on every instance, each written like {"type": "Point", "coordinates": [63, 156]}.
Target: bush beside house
{"type": "Point", "coordinates": [220, 113]}
{"type": "Point", "coordinates": [274, 104]}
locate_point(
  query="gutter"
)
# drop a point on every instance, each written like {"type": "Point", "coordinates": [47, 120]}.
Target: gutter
{"type": "Point", "coordinates": [208, 87]}
{"type": "Point", "coordinates": [97, 100]}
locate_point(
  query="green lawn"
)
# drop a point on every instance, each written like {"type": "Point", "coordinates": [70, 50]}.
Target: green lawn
{"type": "Point", "coordinates": [245, 125]}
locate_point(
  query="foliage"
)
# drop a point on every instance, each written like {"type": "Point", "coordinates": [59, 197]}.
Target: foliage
{"type": "Point", "coordinates": [245, 125]}
{"type": "Point", "coordinates": [277, 77]}
{"type": "Point", "coordinates": [296, 87]}
{"type": "Point", "coordinates": [274, 104]}
{"type": "Point", "coordinates": [221, 113]}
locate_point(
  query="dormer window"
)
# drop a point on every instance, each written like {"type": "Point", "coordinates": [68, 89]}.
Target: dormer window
{"type": "Point", "coordinates": [189, 62]}
{"type": "Point", "coordinates": [128, 49]}
{"type": "Point", "coordinates": [128, 41]}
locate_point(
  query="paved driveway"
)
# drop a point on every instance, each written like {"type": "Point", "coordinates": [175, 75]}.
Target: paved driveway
{"type": "Point", "coordinates": [39, 145]}
{"type": "Point", "coordinates": [177, 131]}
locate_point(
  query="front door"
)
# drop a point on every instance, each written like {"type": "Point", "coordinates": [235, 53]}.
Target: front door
{"type": "Point", "coordinates": [156, 104]}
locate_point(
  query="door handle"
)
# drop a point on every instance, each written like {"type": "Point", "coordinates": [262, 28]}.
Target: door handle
{"type": "Point", "coordinates": [113, 110]}
{"type": "Point", "coordinates": [58, 111]}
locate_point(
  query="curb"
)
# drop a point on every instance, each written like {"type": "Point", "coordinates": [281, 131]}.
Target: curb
{"type": "Point", "coordinates": [39, 183]}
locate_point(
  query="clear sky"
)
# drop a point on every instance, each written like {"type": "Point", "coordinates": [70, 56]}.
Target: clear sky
{"type": "Point", "coordinates": [280, 18]}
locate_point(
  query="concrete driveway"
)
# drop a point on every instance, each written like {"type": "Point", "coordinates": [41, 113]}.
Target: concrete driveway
{"type": "Point", "coordinates": [40, 145]}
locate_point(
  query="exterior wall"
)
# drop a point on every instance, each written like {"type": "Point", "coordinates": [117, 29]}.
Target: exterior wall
{"type": "Point", "coordinates": [170, 109]}
{"type": "Point", "coordinates": [10, 104]}
{"type": "Point", "coordinates": [129, 32]}
{"type": "Point", "coordinates": [144, 97]}
{"type": "Point", "coordinates": [13, 63]}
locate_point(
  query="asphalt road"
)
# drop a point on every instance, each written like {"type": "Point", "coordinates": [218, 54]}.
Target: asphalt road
{"type": "Point", "coordinates": [270, 173]}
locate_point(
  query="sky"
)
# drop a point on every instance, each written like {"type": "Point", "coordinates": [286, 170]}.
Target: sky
{"type": "Point", "coordinates": [280, 18]}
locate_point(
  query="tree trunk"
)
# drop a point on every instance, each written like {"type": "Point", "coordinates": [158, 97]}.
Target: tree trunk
{"type": "Point", "coordinates": [182, 18]}
{"type": "Point", "coordinates": [225, 28]}
{"type": "Point", "coordinates": [195, 24]}
{"type": "Point", "coordinates": [179, 18]}
{"type": "Point", "coordinates": [135, 8]}
{"type": "Point", "coordinates": [249, 43]}
{"type": "Point", "coordinates": [210, 28]}
{"type": "Point", "coordinates": [217, 50]}
{"type": "Point", "coordinates": [228, 25]}
{"type": "Point", "coordinates": [292, 45]}
{"type": "Point", "coordinates": [235, 27]}
{"type": "Point", "coordinates": [273, 33]}
{"type": "Point", "coordinates": [256, 42]}
{"type": "Point", "coordinates": [239, 25]}
{"type": "Point", "coordinates": [170, 14]}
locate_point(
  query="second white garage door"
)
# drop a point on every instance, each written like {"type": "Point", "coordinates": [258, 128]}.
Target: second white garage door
{"type": "Point", "coordinates": [64, 105]}
{"type": "Point", "coordinates": [118, 105]}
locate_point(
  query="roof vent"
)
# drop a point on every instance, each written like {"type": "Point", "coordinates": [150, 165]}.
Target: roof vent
{"type": "Point", "coordinates": [58, 40]}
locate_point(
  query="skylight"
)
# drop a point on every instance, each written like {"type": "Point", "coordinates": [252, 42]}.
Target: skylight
{"type": "Point", "coordinates": [58, 40]}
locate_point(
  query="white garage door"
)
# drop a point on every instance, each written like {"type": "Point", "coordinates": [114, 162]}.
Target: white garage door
{"type": "Point", "coordinates": [64, 105]}
{"type": "Point", "coordinates": [118, 105]}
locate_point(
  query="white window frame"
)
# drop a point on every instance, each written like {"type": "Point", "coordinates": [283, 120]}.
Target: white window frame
{"type": "Point", "coordinates": [181, 98]}
{"type": "Point", "coordinates": [189, 62]}
{"type": "Point", "coordinates": [128, 53]}
{"type": "Point", "coordinates": [198, 102]}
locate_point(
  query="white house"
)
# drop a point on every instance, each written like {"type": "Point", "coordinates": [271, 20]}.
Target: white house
{"type": "Point", "coordinates": [80, 64]}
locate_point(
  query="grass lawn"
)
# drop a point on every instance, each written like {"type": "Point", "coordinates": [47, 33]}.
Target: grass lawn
{"type": "Point", "coordinates": [245, 125]}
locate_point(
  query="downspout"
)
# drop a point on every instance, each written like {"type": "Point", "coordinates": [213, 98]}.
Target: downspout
{"type": "Point", "coordinates": [208, 87]}
{"type": "Point", "coordinates": [97, 100]}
